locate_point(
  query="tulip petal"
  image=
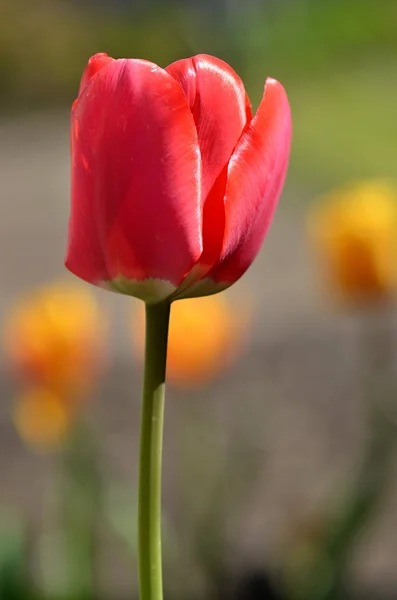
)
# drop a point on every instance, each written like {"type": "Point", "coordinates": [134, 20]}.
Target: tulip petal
{"type": "Point", "coordinates": [95, 64]}
{"type": "Point", "coordinates": [220, 107]}
{"type": "Point", "coordinates": [84, 253]}
{"type": "Point", "coordinates": [221, 110]}
{"type": "Point", "coordinates": [141, 197]}
{"type": "Point", "coordinates": [256, 176]}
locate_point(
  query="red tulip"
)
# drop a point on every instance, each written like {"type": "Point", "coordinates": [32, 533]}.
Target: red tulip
{"type": "Point", "coordinates": [174, 182]}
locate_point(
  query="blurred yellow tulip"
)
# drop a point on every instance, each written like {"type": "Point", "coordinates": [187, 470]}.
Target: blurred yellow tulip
{"type": "Point", "coordinates": [42, 418]}
{"type": "Point", "coordinates": [54, 337]}
{"type": "Point", "coordinates": [206, 334]}
{"type": "Point", "coordinates": [354, 234]}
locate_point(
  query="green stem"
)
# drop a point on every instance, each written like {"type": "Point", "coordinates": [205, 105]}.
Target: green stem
{"type": "Point", "coordinates": [149, 496]}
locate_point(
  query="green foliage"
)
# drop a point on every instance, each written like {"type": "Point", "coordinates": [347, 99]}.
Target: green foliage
{"type": "Point", "coordinates": [14, 558]}
{"type": "Point", "coordinates": [45, 46]}
{"type": "Point", "coordinates": [308, 38]}
{"type": "Point", "coordinates": [343, 128]}
{"type": "Point", "coordinates": [337, 59]}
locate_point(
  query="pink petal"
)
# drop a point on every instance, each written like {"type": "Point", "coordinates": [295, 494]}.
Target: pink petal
{"type": "Point", "coordinates": [221, 110]}
{"type": "Point", "coordinates": [84, 253]}
{"type": "Point", "coordinates": [91, 262]}
{"type": "Point", "coordinates": [220, 107]}
{"type": "Point", "coordinates": [95, 64]}
{"type": "Point", "coordinates": [140, 200]}
{"type": "Point", "coordinates": [256, 176]}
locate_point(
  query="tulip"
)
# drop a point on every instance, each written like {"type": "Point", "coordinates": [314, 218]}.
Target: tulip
{"type": "Point", "coordinates": [43, 418]}
{"type": "Point", "coordinates": [54, 341]}
{"type": "Point", "coordinates": [174, 181]}
{"type": "Point", "coordinates": [174, 186]}
{"type": "Point", "coordinates": [54, 337]}
{"type": "Point", "coordinates": [353, 231]}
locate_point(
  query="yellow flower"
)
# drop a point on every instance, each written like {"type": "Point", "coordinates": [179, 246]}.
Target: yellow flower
{"type": "Point", "coordinates": [205, 336]}
{"type": "Point", "coordinates": [354, 233]}
{"type": "Point", "coordinates": [54, 337]}
{"type": "Point", "coordinates": [42, 418]}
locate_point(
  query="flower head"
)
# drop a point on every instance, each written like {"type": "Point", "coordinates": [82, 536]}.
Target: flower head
{"type": "Point", "coordinates": [174, 181]}
{"type": "Point", "coordinates": [53, 340]}
{"type": "Point", "coordinates": [54, 337]}
{"type": "Point", "coordinates": [354, 232]}
{"type": "Point", "coordinates": [42, 417]}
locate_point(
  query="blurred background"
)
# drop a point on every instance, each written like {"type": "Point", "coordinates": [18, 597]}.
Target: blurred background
{"type": "Point", "coordinates": [279, 467]}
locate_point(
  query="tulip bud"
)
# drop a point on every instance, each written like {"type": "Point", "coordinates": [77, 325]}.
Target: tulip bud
{"type": "Point", "coordinates": [174, 181]}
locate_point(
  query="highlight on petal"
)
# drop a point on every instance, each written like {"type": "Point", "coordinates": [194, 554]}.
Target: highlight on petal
{"type": "Point", "coordinates": [95, 64]}
{"type": "Point", "coordinates": [136, 192]}
{"type": "Point", "coordinates": [221, 110]}
{"type": "Point", "coordinates": [256, 176]}
{"type": "Point", "coordinates": [84, 253]}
